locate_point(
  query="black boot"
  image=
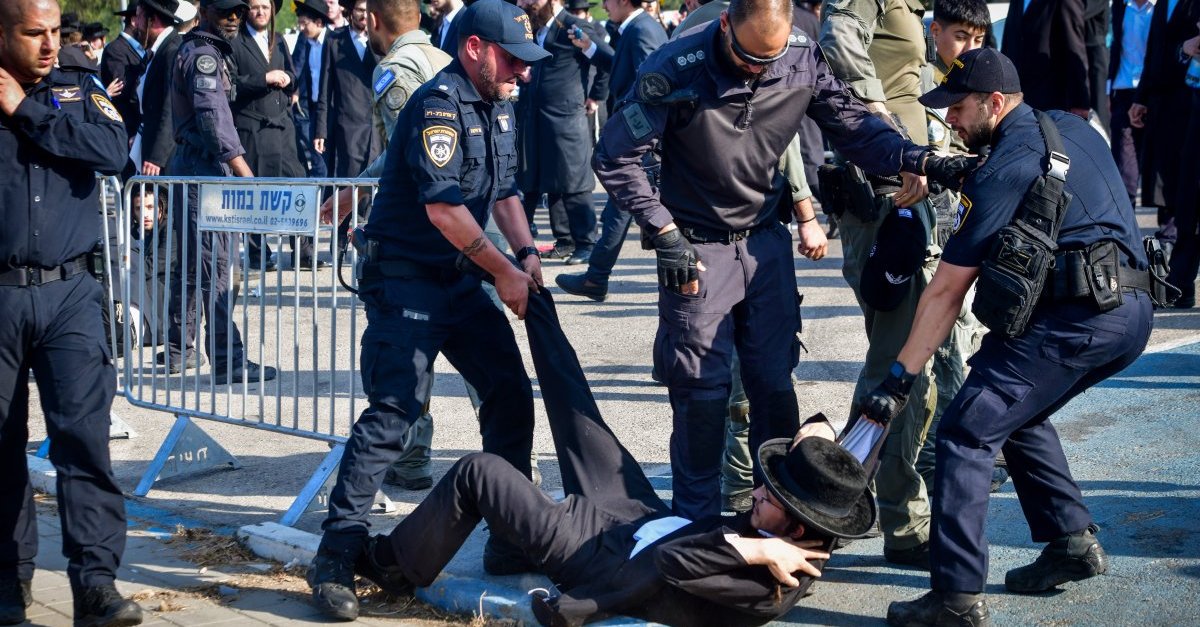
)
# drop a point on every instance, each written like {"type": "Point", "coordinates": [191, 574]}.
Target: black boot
{"type": "Point", "coordinates": [1072, 557]}
{"type": "Point", "coordinates": [388, 578]}
{"type": "Point", "coordinates": [331, 577]}
{"type": "Point", "coordinates": [103, 606]}
{"type": "Point", "coordinates": [15, 596]}
{"type": "Point", "coordinates": [953, 609]}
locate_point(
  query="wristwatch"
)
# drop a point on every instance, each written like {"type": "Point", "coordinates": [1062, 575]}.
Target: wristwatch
{"type": "Point", "coordinates": [525, 252]}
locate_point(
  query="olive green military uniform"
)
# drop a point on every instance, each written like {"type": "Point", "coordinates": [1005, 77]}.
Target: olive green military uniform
{"type": "Point", "coordinates": [878, 48]}
{"type": "Point", "coordinates": [411, 61]}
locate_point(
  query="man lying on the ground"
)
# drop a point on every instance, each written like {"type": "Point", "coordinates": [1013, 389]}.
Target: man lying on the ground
{"type": "Point", "coordinates": [612, 546]}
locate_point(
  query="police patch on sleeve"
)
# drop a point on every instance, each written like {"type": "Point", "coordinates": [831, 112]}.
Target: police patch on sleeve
{"type": "Point", "coordinates": [206, 83]}
{"type": "Point", "coordinates": [206, 64]}
{"type": "Point", "coordinates": [652, 86]}
{"type": "Point", "coordinates": [68, 94]}
{"type": "Point", "coordinates": [636, 120]}
{"type": "Point", "coordinates": [440, 143]}
{"type": "Point", "coordinates": [396, 98]}
{"type": "Point", "coordinates": [106, 107]}
{"type": "Point", "coordinates": [964, 209]}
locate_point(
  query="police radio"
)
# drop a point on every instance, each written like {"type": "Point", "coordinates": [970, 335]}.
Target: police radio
{"type": "Point", "coordinates": [1013, 276]}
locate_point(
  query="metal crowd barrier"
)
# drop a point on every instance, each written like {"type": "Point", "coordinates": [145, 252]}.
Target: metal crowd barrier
{"type": "Point", "coordinates": [302, 322]}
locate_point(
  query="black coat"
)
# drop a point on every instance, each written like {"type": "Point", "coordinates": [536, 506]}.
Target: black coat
{"type": "Point", "coordinates": [158, 125]}
{"type": "Point", "coordinates": [121, 61]}
{"type": "Point", "coordinates": [643, 36]}
{"type": "Point", "coordinates": [344, 111]}
{"type": "Point", "coordinates": [556, 147]}
{"type": "Point", "coordinates": [72, 56]}
{"type": "Point", "coordinates": [262, 113]}
{"type": "Point", "coordinates": [1096, 18]}
{"type": "Point", "coordinates": [1168, 99]}
{"type": "Point", "coordinates": [1048, 44]}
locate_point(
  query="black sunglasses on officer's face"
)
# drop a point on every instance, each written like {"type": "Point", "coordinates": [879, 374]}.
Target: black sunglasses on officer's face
{"type": "Point", "coordinates": [746, 57]}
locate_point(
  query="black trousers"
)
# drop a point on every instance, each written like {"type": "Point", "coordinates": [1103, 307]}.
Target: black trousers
{"type": "Point", "coordinates": [55, 331]}
{"type": "Point", "coordinates": [580, 539]}
{"type": "Point", "coordinates": [1015, 385]}
{"type": "Point", "coordinates": [1126, 142]}
{"type": "Point", "coordinates": [410, 321]}
{"type": "Point", "coordinates": [204, 256]}
{"type": "Point", "coordinates": [1185, 259]}
{"type": "Point", "coordinates": [572, 217]}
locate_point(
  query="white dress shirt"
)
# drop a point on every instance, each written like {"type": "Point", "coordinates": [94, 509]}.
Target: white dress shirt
{"type": "Point", "coordinates": [260, 38]}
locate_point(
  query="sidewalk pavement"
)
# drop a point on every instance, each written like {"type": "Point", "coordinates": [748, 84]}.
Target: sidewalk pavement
{"type": "Point", "coordinates": [1132, 442]}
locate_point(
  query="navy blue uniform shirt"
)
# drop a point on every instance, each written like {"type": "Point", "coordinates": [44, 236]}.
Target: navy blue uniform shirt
{"type": "Point", "coordinates": [720, 156]}
{"type": "Point", "coordinates": [452, 147]}
{"type": "Point", "coordinates": [1100, 208]}
{"type": "Point", "coordinates": [201, 91]}
{"type": "Point", "coordinates": [63, 133]}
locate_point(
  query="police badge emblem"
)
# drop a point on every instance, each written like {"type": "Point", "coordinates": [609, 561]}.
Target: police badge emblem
{"type": "Point", "coordinates": [206, 64]}
{"type": "Point", "coordinates": [964, 209]}
{"type": "Point", "coordinates": [440, 142]}
{"type": "Point", "coordinates": [106, 107]}
{"type": "Point", "coordinates": [653, 86]}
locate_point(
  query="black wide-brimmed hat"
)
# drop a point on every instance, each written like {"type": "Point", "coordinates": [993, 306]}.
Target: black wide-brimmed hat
{"type": "Point", "coordinates": [165, 8]}
{"type": "Point", "coordinates": [69, 23]}
{"type": "Point", "coordinates": [314, 9]}
{"type": "Point", "coordinates": [94, 30]}
{"type": "Point", "coordinates": [576, 5]}
{"type": "Point", "coordinates": [129, 11]}
{"type": "Point", "coordinates": [821, 484]}
{"type": "Point", "coordinates": [895, 258]}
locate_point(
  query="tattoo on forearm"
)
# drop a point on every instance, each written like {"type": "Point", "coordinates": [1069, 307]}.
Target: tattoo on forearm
{"type": "Point", "coordinates": [475, 247]}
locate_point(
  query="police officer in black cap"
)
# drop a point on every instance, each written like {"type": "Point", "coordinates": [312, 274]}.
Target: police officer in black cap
{"type": "Point", "coordinates": [1091, 319]}
{"type": "Point", "coordinates": [208, 145]}
{"type": "Point", "coordinates": [57, 130]}
{"type": "Point", "coordinates": [455, 164]}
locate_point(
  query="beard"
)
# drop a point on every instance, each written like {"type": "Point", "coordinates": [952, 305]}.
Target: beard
{"type": "Point", "coordinates": [978, 135]}
{"type": "Point", "coordinates": [540, 16]}
{"type": "Point", "coordinates": [492, 89]}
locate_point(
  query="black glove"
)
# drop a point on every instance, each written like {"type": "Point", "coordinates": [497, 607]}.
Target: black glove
{"type": "Point", "coordinates": [885, 402]}
{"type": "Point", "coordinates": [949, 171]}
{"type": "Point", "coordinates": [676, 260]}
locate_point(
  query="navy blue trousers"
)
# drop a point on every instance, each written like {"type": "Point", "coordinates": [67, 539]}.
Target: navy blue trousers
{"type": "Point", "coordinates": [747, 301]}
{"type": "Point", "coordinates": [1005, 404]}
{"type": "Point", "coordinates": [55, 331]}
{"type": "Point", "coordinates": [409, 322]}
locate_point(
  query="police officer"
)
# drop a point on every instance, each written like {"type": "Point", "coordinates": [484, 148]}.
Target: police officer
{"type": "Point", "coordinates": [725, 270]}
{"type": "Point", "coordinates": [455, 165]}
{"type": "Point", "coordinates": [207, 145]}
{"type": "Point", "coordinates": [1016, 383]}
{"type": "Point", "coordinates": [393, 27]}
{"type": "Point", "coordinates": [57, 130]}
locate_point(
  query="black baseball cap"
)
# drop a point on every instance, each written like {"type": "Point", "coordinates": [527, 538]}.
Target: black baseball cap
{"type": "Point", "coordinates": [896, 257]}
{"type": "Point", "coordinates": [504, 25]}
{"type": "Point", "coordinates": [983, 70]}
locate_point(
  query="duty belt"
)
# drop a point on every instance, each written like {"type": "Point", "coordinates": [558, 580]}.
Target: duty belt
{"type": "Point", "coordinates": [24, 276]}
{"type": "Point", "coordinates": [1066, 286]}
{"type": "Point", "coordinates": [702, 235]}
{"type": "Point", "coordinates": [405, 269]}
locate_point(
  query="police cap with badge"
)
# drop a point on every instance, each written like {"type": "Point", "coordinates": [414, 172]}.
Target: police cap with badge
{"type": "Point", "coordinates": [896, 256]}
{"type": "Point", "coordinates": [503, 24]}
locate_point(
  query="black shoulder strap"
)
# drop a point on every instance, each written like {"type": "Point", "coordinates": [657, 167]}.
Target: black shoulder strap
{"type": "Point", "coordinates": [1043, 207]}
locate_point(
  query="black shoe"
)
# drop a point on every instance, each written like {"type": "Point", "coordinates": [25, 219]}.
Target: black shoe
{"type": "Point", "coordinates": [271, 265]}
{"type": "Point", "coordinates": [313, 264]}
{"type": "Point", "coordinates": [560, 251]}
{"type": "Point", "coordinates": [253, 373]}
{"type": "Point", "coordinates": [181, 363]}
{"type": "Point", "coordinates": [916, 557]}
{"type": "Point", "coordinates": [579, 285]}
{"type": "Point", "coordinates": [999, 478]}
{"type": "Point", "coordinates": [579, 257]}
{"type": "Point", "coordinates": [394, 477]}
{"type": "Point", "coordinates": [331, 577]}
{"type": "Point", "coordinates": [1072, 557]}
{"type": "Point", "coordinates": [501, 558]}
{"type": "Point", "coordinates": [545, 608]}
{"type": "Point", "coordinates": [103, 606]}
{"type": "Point", "coordinates": [15, 596]}
{"type": "Point", "coordinates": [943, 610]}
{"type": "Point", "coordinates": [388, 578]}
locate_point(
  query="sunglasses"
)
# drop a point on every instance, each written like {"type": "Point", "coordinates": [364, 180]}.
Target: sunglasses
{"type": "Point", "coordinates": [749, 59]}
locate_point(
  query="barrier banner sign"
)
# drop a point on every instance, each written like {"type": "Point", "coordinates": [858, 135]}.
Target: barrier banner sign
{"type": "Point", "coordinates": [259, 208]}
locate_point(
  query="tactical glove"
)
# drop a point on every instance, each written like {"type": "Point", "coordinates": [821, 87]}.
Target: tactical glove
{"type": "Point", "coordinates": [676, 260]}
{"type": "Point", "coordinates": [949, 171]}
{"type": "Point", "coordinates": [885, 401]}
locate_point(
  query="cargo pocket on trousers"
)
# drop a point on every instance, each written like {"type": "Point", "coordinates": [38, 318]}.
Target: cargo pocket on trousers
{"type": "Point", "coordinates": [981, 406]}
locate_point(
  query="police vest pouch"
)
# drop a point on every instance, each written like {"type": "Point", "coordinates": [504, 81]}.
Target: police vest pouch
{"type": "Point", "coordinates": [1013, 276]}
{"type": "Point", "coordinates": [847, 189]}
{"type": "Point", "coordinates": [1162, 293]}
